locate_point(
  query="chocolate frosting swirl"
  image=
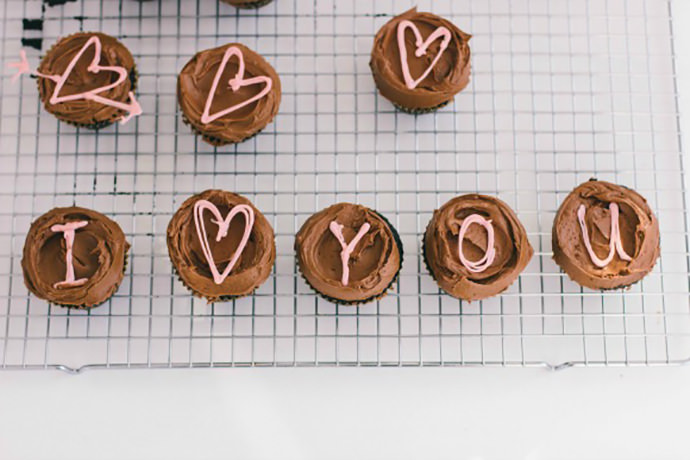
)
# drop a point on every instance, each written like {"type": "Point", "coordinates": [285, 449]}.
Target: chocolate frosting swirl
{"type": "Point", "coordinates": [194, 84]}
{"type": "Point", "coordinates": [84, 112]}
{"type": "Point", "coordinates": [99, 253]}
{"type": "Point", "coordinates": [254, 264]}
{"type": "Point", "coordinates": [450, 75]}
{"type": "Point", "coordinates": [513, 250]}
{"type": "Point", "coordinates": [374, 263]}
{"type": "Point", "coordinates": [639, 231]}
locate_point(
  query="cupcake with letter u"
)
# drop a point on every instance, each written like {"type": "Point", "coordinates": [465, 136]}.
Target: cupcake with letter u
{"type": "Point", "coordinates": [605, 236]}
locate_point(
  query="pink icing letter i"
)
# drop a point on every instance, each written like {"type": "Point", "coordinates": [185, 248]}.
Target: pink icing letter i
{"type": "Point", "coordinates": [337, 231]}
{"type": "Point", "coordinates": [68, 231]}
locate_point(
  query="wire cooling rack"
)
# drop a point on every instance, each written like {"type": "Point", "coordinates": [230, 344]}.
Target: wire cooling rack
{"type": "Point", "coordinates": [561, 91]}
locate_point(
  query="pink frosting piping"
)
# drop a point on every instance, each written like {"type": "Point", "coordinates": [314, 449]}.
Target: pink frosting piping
{"type": "Point", "coordinates": [68, 231]}
{"type": "Point", "coordinates": [422, 46]}
{"type": "Point", "coordinates": [485, 262]}
{"type": "Point", "coordinates": [235, 84]}
{"type": "Point", "coordinates": [133, 108]}
{"type": "Point", "coordinates": [223, 227]}
{"type": "Point", "coordinates": [22, 66]}
{"type": "Point", "coordinates": [337, 231]}
{"type": "Point", "coordinates": [615, 243]}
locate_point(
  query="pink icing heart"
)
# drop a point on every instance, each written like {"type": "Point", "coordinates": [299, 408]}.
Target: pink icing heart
{"type": "Point", "coordinates": [133, 108]}
{"type": "Point", "coordinates": [422, 46]}
{"type": "Point", "coordinates": [223, 227]}
{"type": "Point", "coordinates": [235, 84]}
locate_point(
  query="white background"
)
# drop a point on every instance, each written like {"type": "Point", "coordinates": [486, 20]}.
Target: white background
{"type": "Point", "coordinates": [353, 413]}
{"type": "Point", "coordinates": [347, 413]}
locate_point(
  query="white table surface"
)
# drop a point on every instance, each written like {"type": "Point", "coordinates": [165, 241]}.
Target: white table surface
{"type": "Point", "coordinates": [607, 413]}
{"type": "Point", "coordinates": [347, 413]}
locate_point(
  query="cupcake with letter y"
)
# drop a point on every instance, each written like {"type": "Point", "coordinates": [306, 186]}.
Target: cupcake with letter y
{"type": "Point", "coordinates": [349, 254]}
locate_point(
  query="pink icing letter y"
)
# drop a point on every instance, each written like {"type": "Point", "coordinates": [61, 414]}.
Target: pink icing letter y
{"type": "Point", "coordinates": [337, 231]}
{"type": "Point", "coordinates": [68, 229]}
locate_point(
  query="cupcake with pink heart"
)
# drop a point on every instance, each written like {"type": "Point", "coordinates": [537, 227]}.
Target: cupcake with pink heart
{"type": "Point", "coordinates": [86, 79]}
{"type": "Point", "coordinates": [420, 61]}
{"type": "Point", "coordinates": [228, 94]}
{"type": "Point", "coordinates": [221, 245]}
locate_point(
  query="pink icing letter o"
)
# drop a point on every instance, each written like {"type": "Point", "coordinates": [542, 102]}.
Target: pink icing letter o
{"type": "Point", "coordinates": [485, 262]}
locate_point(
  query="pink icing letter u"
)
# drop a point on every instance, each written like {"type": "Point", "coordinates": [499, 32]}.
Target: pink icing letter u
{"type": "Point", "coordinates": [615, 243]}
{"type": "Point", "coordinates": [68, 230]}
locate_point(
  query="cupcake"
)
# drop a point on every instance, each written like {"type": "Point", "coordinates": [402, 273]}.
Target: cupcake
{"type": "Point", "coordinates": [228, 94]}
{"type": "Point", "coordinates": [246, 4]}
{"type": "Point", "coordinates": [475, 247]}
{"type": "Point", "coordinates": [349, 254]}
{"type": "Point", "coordinates": [420, 61]}
{"type": "Point", "coordinates": [605, 236]}
{"type": "Point", "coordinates": [74, 257]}
{"type": "Point", "coordinates": [88, 80]}
{"type": "Point", "coordinates": [221, 246]}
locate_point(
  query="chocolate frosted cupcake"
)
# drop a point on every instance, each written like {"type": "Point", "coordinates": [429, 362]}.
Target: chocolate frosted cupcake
{"type": "Point", "coordinates": [88, 80]}
{"type": "Point", "coordinates": [221, 246]}
{"type": "Point", "coordinates": [420, 61]}
{"type": "Point", "coordinates": [247, 3]}
{"type": "Point", "coordinates": [228, 94]}
{"type": "Point", "coordinates": [74, 257]}
{"type": "Point", "coordinates": [475, 247]}
{"type": "Point", "coordinates": [349, 254]}
{"type": "Point", "coordinates": [605, 236]}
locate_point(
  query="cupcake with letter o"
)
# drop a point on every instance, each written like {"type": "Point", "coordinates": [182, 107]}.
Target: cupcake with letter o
{"type": "Point", "coordinates": [475, 247]}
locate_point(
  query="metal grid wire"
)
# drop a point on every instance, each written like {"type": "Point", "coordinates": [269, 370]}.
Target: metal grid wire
{"type": "Point", "coordinates": [561, 91]}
